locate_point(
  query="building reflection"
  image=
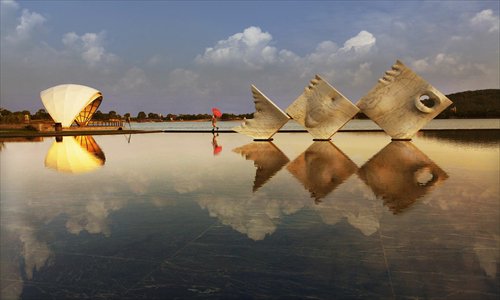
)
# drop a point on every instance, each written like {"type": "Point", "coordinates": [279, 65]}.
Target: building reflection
{"type": "Point", "coordinates": [322, 168]}
{"type": "Point", "coordinates": [266, 157]}
{"type": "Point", "coordinates": [77, 154]}
{"type": "Point", "coordinates": [6, 140]}
{"type": "Point", "coordinates": [399, 174]}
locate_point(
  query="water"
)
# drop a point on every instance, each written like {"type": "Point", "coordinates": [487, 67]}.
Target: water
{"type": "Point", "coordinates": [351, 125]}
{"type": "Point", "coordinates": [156, 216]}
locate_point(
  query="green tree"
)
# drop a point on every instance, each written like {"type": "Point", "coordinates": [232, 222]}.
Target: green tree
{"type": "Point", "coordinates": [141, 115]}
{"type": "Point", "coordinates": [41, 114]}
{"type": "Point", "coordinates": [153, 116]}
{"type": "Point", "coordinates": [4, 112]}
{"type": "Point", "coordinates": [98, 115]}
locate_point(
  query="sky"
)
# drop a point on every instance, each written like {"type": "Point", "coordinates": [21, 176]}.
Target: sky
{"type": "Point", "coordinates": [188, 56]}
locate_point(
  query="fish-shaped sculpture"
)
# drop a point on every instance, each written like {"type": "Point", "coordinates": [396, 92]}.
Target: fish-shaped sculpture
{"type": "Point", "coordinates": [321, 109]}
{"type": "Point", "coordinates": [401, 103]}
{"type": "Point", "coordinates": [267, 118]}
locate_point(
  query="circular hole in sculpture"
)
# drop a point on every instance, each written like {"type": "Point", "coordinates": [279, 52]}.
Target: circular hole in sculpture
{"type": "Point", "coordinates": [427, 101]}
{"type": "Point", "coordinates": [424, 176]}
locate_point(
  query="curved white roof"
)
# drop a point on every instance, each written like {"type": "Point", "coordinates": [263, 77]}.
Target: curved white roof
{"type": "Point", "coordinates": [65, 102]}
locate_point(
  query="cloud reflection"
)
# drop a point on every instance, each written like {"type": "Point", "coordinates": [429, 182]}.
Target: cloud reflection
{"type": "Point", "coordinates": [400, 174]}
{"type": "Point", "coordinates": [77, 154]}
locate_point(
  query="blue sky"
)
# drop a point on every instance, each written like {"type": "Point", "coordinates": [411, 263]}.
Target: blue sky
{"type": "Point", "coordinates": [187, 56]}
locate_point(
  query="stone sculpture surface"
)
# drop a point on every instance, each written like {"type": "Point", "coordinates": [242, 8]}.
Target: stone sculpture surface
{"type": "Point", "coordinates": [401, 103]}
{"type": "Point", "coordinates": [321, 109]}
{"type": "Point", "coordinates": [267, 118]}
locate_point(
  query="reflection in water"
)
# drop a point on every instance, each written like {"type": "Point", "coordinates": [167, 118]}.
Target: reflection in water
{"type": "Point", "coordinates": [399, 174]}
{"type": "Point", "coordinates": [216, 147]}
{"type": "Point", "coordinates": [322, 168]}
{"type": "Point", "coordinates": [70, 238]}
{"type": "Point", "coordinates": [77, 154]}
{"type": "Point", "coordinates": [465, 137]}
{"type": "Point", "coordinates": [30, 139]}
{"type": "Point", "coordinates": [266, 157]}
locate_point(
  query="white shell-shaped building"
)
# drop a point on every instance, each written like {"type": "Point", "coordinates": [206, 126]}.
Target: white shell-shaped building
{"type": "Point", "coordinates": [67, 103]}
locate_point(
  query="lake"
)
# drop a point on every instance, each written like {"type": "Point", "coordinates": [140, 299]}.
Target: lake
{"type": "Point", "coordinates": [292, 125]}
{"type": "Point", "coordinates": [192, 215]}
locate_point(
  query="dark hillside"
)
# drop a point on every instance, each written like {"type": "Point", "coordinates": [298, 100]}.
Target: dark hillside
{"type": "Point", "coordinates": [474, 104]}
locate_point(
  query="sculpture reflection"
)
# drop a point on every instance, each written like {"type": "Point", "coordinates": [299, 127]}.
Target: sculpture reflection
{"type": "Point", "coordinates": [322, 168]}
{"type": "Point", "coordinates": [77, 154]}
{"type": "Point", "coordinates": [400, 174]}
{"type": "Point", "coordinates": [266, 157]}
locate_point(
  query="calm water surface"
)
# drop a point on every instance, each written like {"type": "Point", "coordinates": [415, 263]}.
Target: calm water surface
{"type": "Point", "coordinates": [159, 216]}
{"type": "Point", "coordinates": [351, 125]}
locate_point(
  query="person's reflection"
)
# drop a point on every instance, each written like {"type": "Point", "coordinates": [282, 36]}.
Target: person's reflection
{"type": "Point", "coordinates": [266, 157]}
{"type": "Point", "coordinates": [400, 174]}
{"type": "Point", "coordinates": [322, 168]}
{"type": "Point", "coordinates": [215, 145]}
{"type": "Point", "coordinates": [75, 155]}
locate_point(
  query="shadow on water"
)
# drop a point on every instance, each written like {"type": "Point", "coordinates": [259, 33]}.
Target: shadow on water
{"type": "Point", "coordinates": [485, 138]}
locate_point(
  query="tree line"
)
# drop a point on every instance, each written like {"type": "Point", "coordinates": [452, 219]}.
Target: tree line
{"type": "Point", "coordinates": [468, 104]}
{"type": "Point", "coordinates": [8, 117]}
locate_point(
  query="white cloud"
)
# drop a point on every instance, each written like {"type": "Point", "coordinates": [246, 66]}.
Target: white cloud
{"type": "Point", "coordinates": [486, 20]}
{"type": "Point", "coordinates": [249, 48]}
{"type": "Point", "coordinates": [8, 4]}
{"type": "Point", "coordinates": [89, 46]}
{"type": "Point", "coordinates": [28, 24]}
{"type": "Point", "coordinates": [449, 64]}
{"type": "Point", "coordinates": [227, 68]}
{"type": "Point", "coordinates": [361, 43]}
{"type": "Point", "coordinates": [362, 74]}
{"type": "Point", "coordinates": [134, 79]}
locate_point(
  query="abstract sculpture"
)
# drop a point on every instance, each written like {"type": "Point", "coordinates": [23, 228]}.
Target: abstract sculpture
{"type": "Point", "coordinates": [267, 119]}
{"type": "Point", "coordinates": [401, 103]}
{"type": "Point", "coordinates": [321, 109]}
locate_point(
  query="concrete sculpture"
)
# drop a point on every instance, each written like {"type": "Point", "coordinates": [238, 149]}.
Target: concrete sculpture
{"type": "Point", "coordinates": [267, 118]}
{"type": "Point", "coordinates": [67, 103]}
{"type": "Point", "coordinates": [399, 174]}
{"type": "Point", "coordinates": [401, 103]}
{"type": "Point", "coordinates": [322, 168]}
{"type": "Point", "coordinates": [321, 109]}
{"type": "Point", "coordinates": [266, 157]}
